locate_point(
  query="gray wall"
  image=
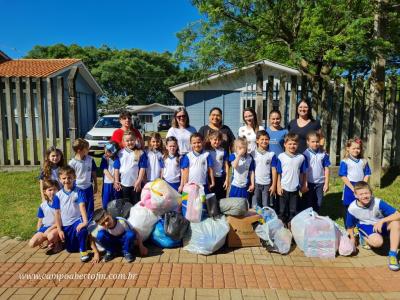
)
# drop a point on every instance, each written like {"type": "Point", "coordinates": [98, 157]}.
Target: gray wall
{"type": "Point", "coordinates": [199, 103]}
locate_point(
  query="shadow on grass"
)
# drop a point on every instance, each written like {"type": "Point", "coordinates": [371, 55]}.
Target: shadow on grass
{"type": "Point", "coordinates": [390, 176]}
{"type": "Point", "coordinates": [332, 206]}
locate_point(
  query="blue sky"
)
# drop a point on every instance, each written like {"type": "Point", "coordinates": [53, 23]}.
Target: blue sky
{"type": "Point", "coordinates": [150, 25]}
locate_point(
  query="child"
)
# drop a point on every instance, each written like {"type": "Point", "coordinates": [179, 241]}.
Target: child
{"type": "Point", "coordinates": [219, 157]}
{"type": "Point", "coordinates": [54, 160]}
{"type": "Point", "coordinates": [71, 216]}
{"type": "Point", "coordinates": [114, 235]}
{"type": "Point", "coordinates": [243, 170]}
{"type": "Point", "coordinates": [265, 166]}
{"type": "Point", "coordinates": [276, 132]}
{"type": "Point", "coordinates": [291, 168]}
{"type": "Point", "coordinates": [107, 165]}
{"type": "Point", "coordinates": [85, 170]}
{"type": "Point", "coordinates": [353, 168]}
{"type": "Point", "coordinates": [171, 171]}
{"type": "Point", "coordinates": [197, 164]}
{"type": "Point", "coordinates": [318, 171]}
{"type": "Point", "coordinates": [130, 167]}
{"type": "Point", "coordinates": [154, 157]}
{"type": "Point", "coordinates": [374, 219]}
{"type": "Point", "coordinates": [46, 226]}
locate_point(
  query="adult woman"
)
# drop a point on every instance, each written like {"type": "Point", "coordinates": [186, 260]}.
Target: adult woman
{"type": "Point", "coordinates": [125, 118]}
{"type": "Point", "coordinates": [181, 130]}
{"type": "Point", "coordinates": [249, 130]}
{"type": "Point", "coordinates": [215, 123]}
{"type": "Point", "coordinates": [303, 124]}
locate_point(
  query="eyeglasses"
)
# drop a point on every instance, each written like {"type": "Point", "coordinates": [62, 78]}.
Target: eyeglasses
{"type": "Point", "coordinates": [181, 117]}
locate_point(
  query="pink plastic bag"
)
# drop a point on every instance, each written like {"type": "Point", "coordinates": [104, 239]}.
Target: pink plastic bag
{"type": "Point", "coordinates": [346, 246]}
{"type": "Point", "coordinates": [193, 198]}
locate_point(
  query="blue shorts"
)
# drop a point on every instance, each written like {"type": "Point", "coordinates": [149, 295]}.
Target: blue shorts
{"type": "Point", "coordinates": [43, 229]}
{"type": "Point", "coordinates": [175, 185]}
{"type": "Point", "coordinates": [367, 230]}
{"type": "Point", "coordinates": [238, 192]}
{"type": "Point", "coordinates": [75, 241]}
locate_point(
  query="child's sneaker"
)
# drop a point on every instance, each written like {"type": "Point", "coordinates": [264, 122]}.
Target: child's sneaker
{"type": "Point", "coordinates": [108, 256]}
{"type": "Point", "coordinates": [393, 263]}
{"type": "Point", "coordinates": [363, 243]}
{"type": "Point", "coordinates": [85, 256]}
{"type": "Point", "coordinates": [129, 257]}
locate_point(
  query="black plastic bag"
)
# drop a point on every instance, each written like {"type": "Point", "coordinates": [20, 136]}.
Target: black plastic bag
{"type": "Point", "coordinates": [175, 225]}
{"type": "Point", "coordinates": [119, 208]}
{"type": "Point", "coordinates": [212, 205]}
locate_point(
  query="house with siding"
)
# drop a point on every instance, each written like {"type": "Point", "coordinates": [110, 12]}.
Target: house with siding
{"type": "Point", "coordinates": [149, 115]}
{"type": "Point", "coordinates": [234, 90]}
{"type": "Point", "coordinates": [35, 104]}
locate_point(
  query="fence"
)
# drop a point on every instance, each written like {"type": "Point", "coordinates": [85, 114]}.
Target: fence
{"type": "Point", "coordinates": [34, 114]}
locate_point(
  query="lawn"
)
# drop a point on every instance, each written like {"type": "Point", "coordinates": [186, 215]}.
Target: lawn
{"type": "Point", "coordinates": [20, 198]}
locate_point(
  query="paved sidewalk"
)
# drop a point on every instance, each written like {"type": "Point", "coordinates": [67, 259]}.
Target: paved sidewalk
{"type": "Point", "coordinates": [244, 273]}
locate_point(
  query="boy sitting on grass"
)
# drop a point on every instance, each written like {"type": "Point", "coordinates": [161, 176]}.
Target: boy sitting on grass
{"type": "Point", "coordinates": [374, 219]}
{"type": "Point", "coordinates": [114, 234]}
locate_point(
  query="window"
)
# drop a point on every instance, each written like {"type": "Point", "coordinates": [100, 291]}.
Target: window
{"type": "Point", "coordinates": [108, 122]}
{"type": "Point", "coordinates": [146, 118]}
{"type": "Point", "coordinates": [166, 117]}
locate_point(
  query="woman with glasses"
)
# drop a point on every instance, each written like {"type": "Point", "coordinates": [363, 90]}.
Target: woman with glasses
{"type": "Point", "coordinates": [181, 130]}
{"type": "Point", "coordinates": [125, 118]}
{"type": "Point", "coordinates": [215, 124]}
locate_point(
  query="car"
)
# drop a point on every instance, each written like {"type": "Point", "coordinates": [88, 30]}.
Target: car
{"type": "Point", "coordinates": [163, 125]}
{"type": "Point", "coordinates": [103, 129]}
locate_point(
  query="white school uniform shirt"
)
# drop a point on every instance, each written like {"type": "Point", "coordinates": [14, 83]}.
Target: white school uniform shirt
{"type": "Point", "coordinates": [53, 176]}
{"type": "Point", "coordinates": [172, 170]}
{"type": "Point", "coordinates": [46, 213]}
{"type": "Point", "coordinates": [218, 156]}
{"type": "Point", "coordinates": [354, 169]}
{"type": "Point", "coordinates": [68, 204]}
{"type": "Point", "coordinates": [83, 171]}
{"type": "Point", "coordinates": [183, 137]}
{"type": "Point", "coordinates": [129, 166]}
{"type": "Point", "coordinates": [107, 164]}
{"type": "Point", "coordinates": [154, 164]}
{"type": "Point", "coordinates": [250, 136]}
{"type": "Point", "coordinates": [317, 162]}
{"type": "Point", "coordinates": [263, 161]}
{"type": "Point", "coordinates": [198, 164]}
{"type": "Point", "coordinates": [120, 227]}
{"type": "Point", "coordinates": [290, 168]}
{"type": "Point", "coordinates": [241, 173]}
{"type": "Point", "coordinates": [377, 210]}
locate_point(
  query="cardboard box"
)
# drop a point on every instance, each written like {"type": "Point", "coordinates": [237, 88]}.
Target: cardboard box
{"type": "Point", "coordinates": [241, 232]}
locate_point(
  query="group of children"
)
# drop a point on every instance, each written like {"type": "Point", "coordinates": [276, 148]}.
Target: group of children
{"type": "Point", "coordinates": [270, 175]}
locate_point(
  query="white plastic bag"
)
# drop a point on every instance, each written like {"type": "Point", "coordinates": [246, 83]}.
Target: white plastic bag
{"type": "Point", "coordinates": [343, 243]}
{"type": "Point", "coordinates": [297, 226]}
{"type": "Point", "coordinates": [320, 237]}
{"type": "Point", "coordinates": [143, 220]}
{"type": "Point", "coordinates": [234, 206]}
{"type": "Point", "coordinates": [283, 240]}
{"type": "Point", "coordinates": [207, 236]}
{"type": "Point", "coordinates": [193, 202]}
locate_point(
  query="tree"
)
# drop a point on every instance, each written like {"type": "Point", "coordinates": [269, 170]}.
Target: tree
{"type": "Point", "coordinates": [137, 76]}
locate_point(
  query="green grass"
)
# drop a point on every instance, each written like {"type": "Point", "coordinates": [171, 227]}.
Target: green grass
{"type": "Point", "coordinates": [20, 198]}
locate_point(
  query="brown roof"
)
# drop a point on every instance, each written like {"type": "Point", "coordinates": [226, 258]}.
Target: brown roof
{"type": "Point", "coordinates": [34, 67]}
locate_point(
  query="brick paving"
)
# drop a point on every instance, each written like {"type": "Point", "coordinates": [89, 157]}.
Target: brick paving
{"type": "Point", "coordinates": [244, 273]}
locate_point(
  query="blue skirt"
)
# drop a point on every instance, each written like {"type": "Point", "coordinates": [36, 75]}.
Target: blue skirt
{"type": "Point", "coordinates": [348, 195]}
{"type": "Point", "coordinates": [108, 194]}
{"type": "Point", "coordinates": [175, 185]}
{"type": "Point", "coordinates": [238, 192]}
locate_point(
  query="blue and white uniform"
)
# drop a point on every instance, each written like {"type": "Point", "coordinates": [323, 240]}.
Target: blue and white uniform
{"type": "Point", "coordinates": [241, 174]}
{"type": "Point", "coordinates": [264, 161]}
{"type": "Point", "coordinates": [154, 164]}
{"type": "Point", "coordinates": [128, 166]}
{"type": "Point", "coordinates": [317, 162]}
{"type": "Point", "coordinates": [68, 204]}
{"type": "Point", "coordinates": [108, 191]}
{"type": "Point", "coordinates": [355, 170]}
{"type": "Point", "coordinates": [198, 164]}
{"type": "Point", "coordinates": [53, 176]}
{"type": "Point", "coordinates": [290, 167]}
{"type": "Point", "coordinates": [47, 213]}
{"type": "Point", "coordinates": [83, 171]}
{"type": "Point", "coordinates": [172, 171]}
{"type": "Point", "coordinates": [219, 157]}
{"type": "Point", "coordinates": [365, 217]}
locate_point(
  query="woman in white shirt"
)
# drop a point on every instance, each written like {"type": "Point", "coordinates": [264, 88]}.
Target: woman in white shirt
{"type": "Point", "coordinates": [249, 130]}
{"type": "Point", "coordinates": [181, 130]}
